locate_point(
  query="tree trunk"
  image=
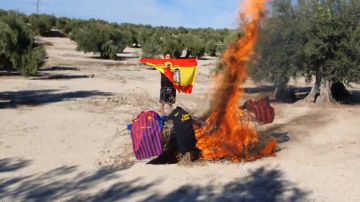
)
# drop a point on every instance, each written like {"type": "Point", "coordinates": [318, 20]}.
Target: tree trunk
{"type": "Point", "coordinates": [326, 92]}
{"type": "Point", "coordinates": [315, 91]}
{"type": "Point", "coordinates": [325, 97]}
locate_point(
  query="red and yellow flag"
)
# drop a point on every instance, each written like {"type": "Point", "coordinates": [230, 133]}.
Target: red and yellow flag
{"type": "Point", "coordinates": [185, 68]}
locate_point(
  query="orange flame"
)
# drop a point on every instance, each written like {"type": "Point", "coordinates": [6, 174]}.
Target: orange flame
{"type": "Point", "coordinates": [228, 132]}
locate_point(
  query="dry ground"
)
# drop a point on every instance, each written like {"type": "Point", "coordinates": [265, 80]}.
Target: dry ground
{"type": "Point", "coordinates": [62, 138]}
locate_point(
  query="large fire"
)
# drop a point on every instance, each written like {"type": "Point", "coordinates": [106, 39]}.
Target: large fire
{"type": "Point", "coordinates": [228, 132]}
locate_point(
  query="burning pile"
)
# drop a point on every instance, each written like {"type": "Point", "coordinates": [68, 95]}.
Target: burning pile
{"type": "Point", "coordinates": [228, 132]}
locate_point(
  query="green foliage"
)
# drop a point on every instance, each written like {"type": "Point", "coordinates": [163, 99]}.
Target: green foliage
{"type": "Point", "coordinates": [317, 38]}
{"type": "Point", "coordinates": [17, 48]}
{"type": "Point", "coordinates": [109, 50]}
{"type": "Point", "coordinates": [152, 46]}
{"type": "Point", "coordinates": [108, 39]}
{"type": "Point", "coordinates": [331, 46]}
{"type": "Point", "coordinates": [32, 60]}
{"type": "Point", "coordinates": [162, 42]}
{"type": "Point", "coordinates": [65, 24]}
{"type": "Point", "coordinates": [172, 44]}
{"type": "Point", "coordinates": [8, 40]}
{"type": "Point", "coordinates": [154, 41]}
{"type": "Point", "coordinates": [195, 45]}
{"type": "Point", "coordinates": [100, 39]}
{"type": "Point", "coordinates": [230, 37]}
{"type": "Point", "coordinates": [211, 47]}
{"type": "Point", "coordinates": [42, 24]}
{"type": "Point", "coordinates": [279, 49]}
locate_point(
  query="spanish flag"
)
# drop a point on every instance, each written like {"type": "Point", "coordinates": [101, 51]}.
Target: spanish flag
{"type": "Point", "coordinates": [183, 71]}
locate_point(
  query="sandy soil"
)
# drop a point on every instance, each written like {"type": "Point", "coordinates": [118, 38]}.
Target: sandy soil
{"type": "Point", "coordinates": [63, 137]}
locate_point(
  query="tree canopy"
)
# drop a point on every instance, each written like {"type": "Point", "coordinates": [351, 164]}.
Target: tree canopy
{"type": "Point", "coordinates": [316, 39]}
{"type": "Point", "coordinates": [18, 51]}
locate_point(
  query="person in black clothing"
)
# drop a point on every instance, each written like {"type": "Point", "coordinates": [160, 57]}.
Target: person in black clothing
{"type": "Point", "coordinates": [167, 90]}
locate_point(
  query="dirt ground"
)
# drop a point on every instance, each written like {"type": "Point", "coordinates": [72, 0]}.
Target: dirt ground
{"type": "Point", "coordinates": [63, 138]}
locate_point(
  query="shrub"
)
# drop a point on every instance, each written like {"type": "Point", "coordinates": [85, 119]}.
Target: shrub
{"type": "Point", "coordinates": [17, 48]}
{"type": "Point", "coordinates": [100, 39]}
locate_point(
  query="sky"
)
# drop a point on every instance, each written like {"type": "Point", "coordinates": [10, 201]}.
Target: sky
{"type": "Point", "coordinates": [186, 13]}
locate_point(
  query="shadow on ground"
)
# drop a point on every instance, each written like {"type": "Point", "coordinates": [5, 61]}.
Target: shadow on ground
{"type": "Point", "coordinates": [60, 68]}
{"type": "Point", "coordinates": [9, 73]}
{"type": "Point", "coordinates": [60, 184]}
{"type": "Point", "coordinates": [55, 33]}
{"type": "Point", "coordinates": [65, 183]}
{"type": "Point", "coordinates": [13, 99]}
{"type": "Point", "coordinates": [60, 77]}
{"type": "Point", "coordinates": [279, 131]}
{"type": "Point", "coordinates": [355, 94]}
{"type": "Point", "coordinates": [259, 89]}
{"type": "Point", "coordinates": [12, 164]}
{"type": "Point", "coordinates": [118, 58]}
{"type": "Point", "coordinates": [261, 185]}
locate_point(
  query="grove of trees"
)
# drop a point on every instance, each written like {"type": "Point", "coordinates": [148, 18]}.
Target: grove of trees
{"type": "Point", "coordinates": [100, 38]}
{"type": "Point", "coordinates": [317, 39]}
{"type": "Point", "coordinates": [107, 39]}
{"type": "Point", "coordinates": [20, 52]}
